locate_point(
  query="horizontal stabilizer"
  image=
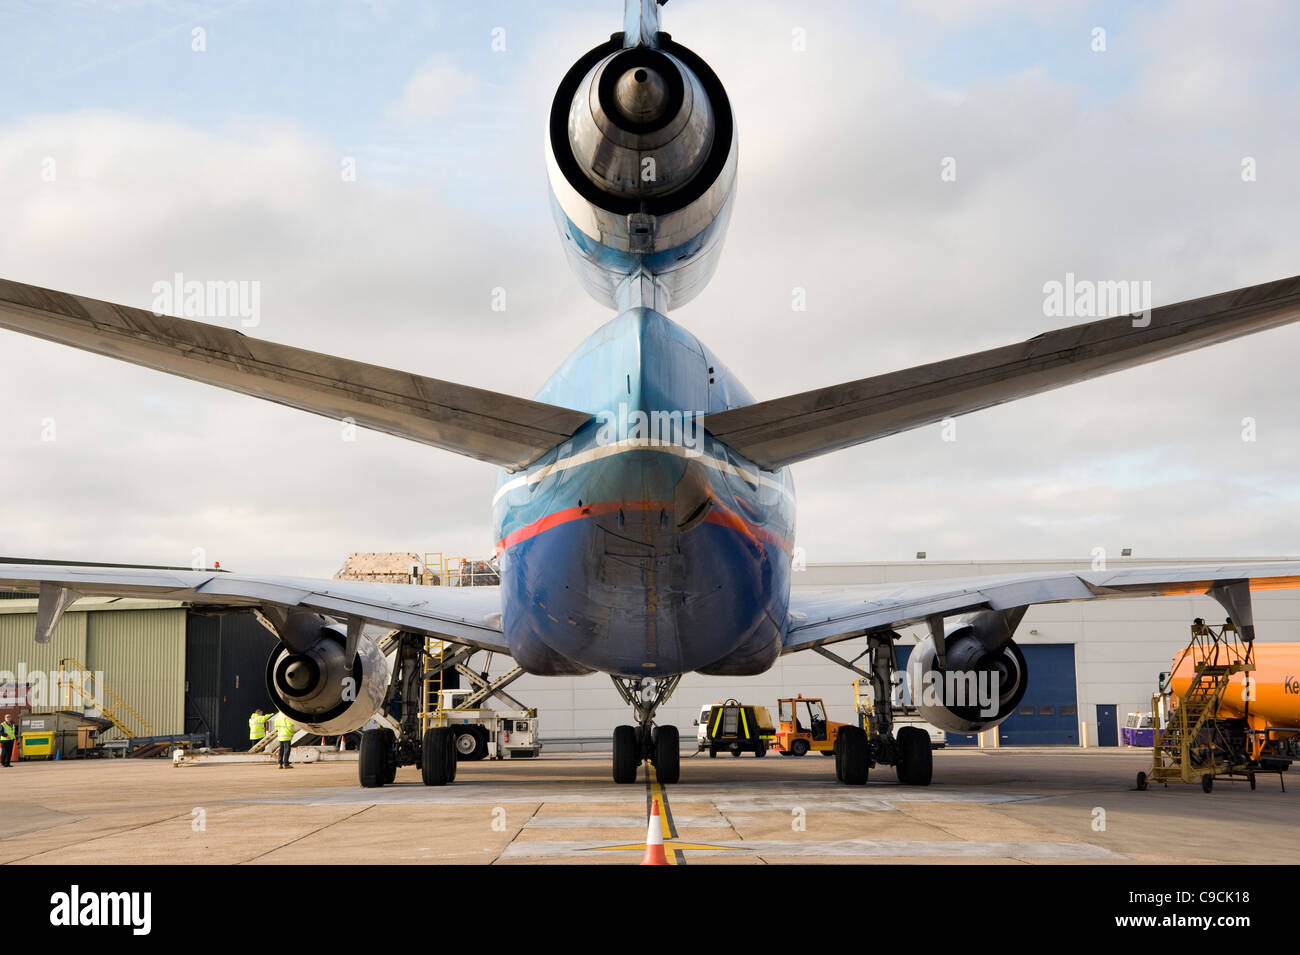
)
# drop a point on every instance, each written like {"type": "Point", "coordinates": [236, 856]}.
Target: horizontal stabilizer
{"type": "Point", "coordinates": [487, 425]}
{"type": "Point", "coordinates": [775, 433]}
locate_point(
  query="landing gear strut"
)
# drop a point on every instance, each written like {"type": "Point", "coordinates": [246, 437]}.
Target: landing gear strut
{"type": "Point", "coordinates": [661, 745]}
{"type": "Point", "coordinates": [404, 737]}
{"type": "Point", "coordinates": [858, 749]}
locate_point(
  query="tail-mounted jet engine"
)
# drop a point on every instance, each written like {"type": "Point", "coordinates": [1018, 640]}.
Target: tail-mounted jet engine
{"type": "Point", "coordinates": [315, 685]}
{"type": "Point", "coordinates": [982, 681]}
{"type": "Point", "coordinates": [641, 155]}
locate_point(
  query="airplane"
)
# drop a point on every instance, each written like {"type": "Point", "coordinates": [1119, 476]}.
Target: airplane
{"type": "Point", "coordinates": [644, 511]}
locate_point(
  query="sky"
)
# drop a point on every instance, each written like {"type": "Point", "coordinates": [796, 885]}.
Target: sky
{"type": "Point", "coordinates": [144, 138]}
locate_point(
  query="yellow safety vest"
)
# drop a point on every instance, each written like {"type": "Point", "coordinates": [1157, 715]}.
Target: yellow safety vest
{"type": "Point", "coordinates": [7, 730]}
{"type": "Point", "coordinates": [257, 725]}
{"type": "Point", "coordinates": [283, 728]}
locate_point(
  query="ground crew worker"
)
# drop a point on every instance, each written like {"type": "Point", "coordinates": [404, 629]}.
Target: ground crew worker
{"type": "Point", "coordinates": [8, 733]}
{"type": "Point", "coordinates": [257, 728]}
{"type": "Point", "coordinates": [284, 730]}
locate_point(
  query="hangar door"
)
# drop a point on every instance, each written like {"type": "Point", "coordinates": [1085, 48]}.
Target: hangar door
{"type": "Point", "coordinates": [1048, 715]}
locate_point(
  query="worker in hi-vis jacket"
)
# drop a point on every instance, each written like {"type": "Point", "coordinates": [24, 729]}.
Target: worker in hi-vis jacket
{"type": "Point", "coordinates": [284, 730]}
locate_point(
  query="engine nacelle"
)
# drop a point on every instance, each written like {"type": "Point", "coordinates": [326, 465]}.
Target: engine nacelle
{"type": "Point", "coordinates": [318, 689]}
{"type": "Point", "coordinates": [982, 683]}
{"type": "Point", "coordinates": [641, 156]}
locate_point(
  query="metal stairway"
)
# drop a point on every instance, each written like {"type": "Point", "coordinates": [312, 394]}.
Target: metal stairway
{"type": "Point", "coordinates": [1186, 749]}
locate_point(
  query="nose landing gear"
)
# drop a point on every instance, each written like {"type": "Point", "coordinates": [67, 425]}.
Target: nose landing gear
{"type": "Point", "coordinates": [661, 745]}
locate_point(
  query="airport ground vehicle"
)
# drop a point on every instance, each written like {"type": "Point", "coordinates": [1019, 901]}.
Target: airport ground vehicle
{"type": "Point", "coordinates": [937, 737]}
{"type": "Point", "coordinates": [736, 728]}
{"type": "Point", "coordinates": [702, 728]}
{"type": "Point", "coordinates": [804, 728]}
{"type": "Point", "coordinates": [1233, 709]}
{"type": "Point", "coordinates": [484, 733]}
{"type": "Point", "coordinates": [1139, 729]}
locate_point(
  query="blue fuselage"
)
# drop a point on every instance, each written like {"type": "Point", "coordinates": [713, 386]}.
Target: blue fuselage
{"type": "Point", "coordinates": [641, 546]}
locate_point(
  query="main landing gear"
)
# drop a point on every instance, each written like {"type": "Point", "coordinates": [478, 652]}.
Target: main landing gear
{"type": "Point", "coordinates": [661, 745]}
{"type": "Point", "coordinates": [860, 748]}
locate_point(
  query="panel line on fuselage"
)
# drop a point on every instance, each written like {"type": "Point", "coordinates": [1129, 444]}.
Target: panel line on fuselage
{"type": "Point", "coordinates": [638, 444]}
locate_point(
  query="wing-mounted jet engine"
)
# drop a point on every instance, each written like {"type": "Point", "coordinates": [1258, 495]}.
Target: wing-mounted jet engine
{"type": "Point", "coordinates": [312, 681]}
{"type": "Point", "coordinates": [966, 677]}
{"type": "Point", "coordinates": [641, 155]}
{"type": "Point", "coordinates": [980, 681]}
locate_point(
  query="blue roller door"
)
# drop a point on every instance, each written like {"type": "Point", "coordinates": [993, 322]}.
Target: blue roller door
{"type": "Point", "coordinates": [1049, 714]}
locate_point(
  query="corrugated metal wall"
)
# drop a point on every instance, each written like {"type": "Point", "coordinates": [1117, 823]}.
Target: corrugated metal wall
{"type": "Point", "coordinates": [142, 656]}
{"type": "Point", "coordinates": [20, 651]}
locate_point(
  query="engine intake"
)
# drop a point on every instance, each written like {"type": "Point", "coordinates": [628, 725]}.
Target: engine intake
{"type": "Point", "coordinates": [317, 688]}
{"type": "Point", "coordinates": [984, 679]}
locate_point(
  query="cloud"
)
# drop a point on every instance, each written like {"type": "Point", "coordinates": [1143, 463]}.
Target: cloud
{"type": "Point", "coordinates": [839, 194]}
{"type": "Point", "coordinates": [435, 89]}
{"type": "Point", "coordinates": [146, 467]}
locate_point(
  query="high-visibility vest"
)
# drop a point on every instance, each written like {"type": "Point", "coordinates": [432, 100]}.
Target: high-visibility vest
{"type": "Point", "coordinates": [7, 730]}
{"type": "Point", "coordinates": [283, 728]}
{"type": "Point", "coordinates": [257, 725]}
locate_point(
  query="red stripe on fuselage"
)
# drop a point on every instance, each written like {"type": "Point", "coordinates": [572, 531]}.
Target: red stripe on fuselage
{"type": "Point", "coordinates": [575, 514]}
{"type": "Point", "coordinates": [717, 515]}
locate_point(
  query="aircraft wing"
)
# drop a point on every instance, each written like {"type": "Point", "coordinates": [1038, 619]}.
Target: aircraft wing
{"type": "Point", "coordinates": [819, 616]}
{"type": "Point", "coordinates": [466, 615]}
{"type": "Point", "coordinates": [775, 433]}
{"type": "Point", "coordinates": [487, 425]}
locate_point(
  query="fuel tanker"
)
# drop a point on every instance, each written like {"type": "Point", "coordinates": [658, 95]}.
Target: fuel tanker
{"type": "Point", "coordinates": [1259, 712]}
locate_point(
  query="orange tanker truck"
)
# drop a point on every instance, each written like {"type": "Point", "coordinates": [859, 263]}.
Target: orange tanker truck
{"type": "Point", "coordinates": [1254, 721]}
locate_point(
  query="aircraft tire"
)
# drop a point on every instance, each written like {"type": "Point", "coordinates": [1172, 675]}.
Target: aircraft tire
{"type": "Point", "coordinates": [370, 760]}
{"type": "Point", "coordinates": [668, 754]}
{"type": "Point", "coordinates": [626, 754]}
{"type": "Point", "coordinates": [437, 757]}
{"type": "Point", "coordinates": [915, 764]}
{"type": "Point", "coordinates": [855, 758]}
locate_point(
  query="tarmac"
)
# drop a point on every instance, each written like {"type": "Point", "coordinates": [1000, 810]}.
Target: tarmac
{"type": "Point", "coordinates": [1013, 806]}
